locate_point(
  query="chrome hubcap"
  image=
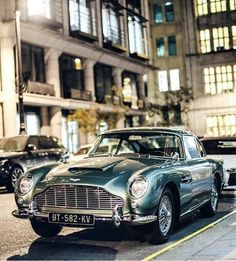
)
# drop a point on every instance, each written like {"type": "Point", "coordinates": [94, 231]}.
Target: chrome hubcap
{"type": "Point", "coordinates": [165, 215]}
{"type": "Point", "coordinates": [214, 196]}
{"type": "Point", "coordinates": [16, 173]}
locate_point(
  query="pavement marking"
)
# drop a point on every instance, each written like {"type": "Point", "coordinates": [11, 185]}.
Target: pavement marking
{"type": "Point", "coordinates": [165, 249]}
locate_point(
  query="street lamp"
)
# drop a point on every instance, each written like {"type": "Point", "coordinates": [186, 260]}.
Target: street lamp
{"type": "Point", "coordinates": [19, 78]}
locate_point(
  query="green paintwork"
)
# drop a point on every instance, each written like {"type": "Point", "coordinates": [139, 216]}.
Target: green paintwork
{"type": "Point", "coordinates": [113, 173]}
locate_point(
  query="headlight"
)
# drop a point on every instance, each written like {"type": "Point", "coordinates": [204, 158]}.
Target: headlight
{"type": "Point", "coordinates": [25, 185]}
{"type": "Point", "coordinates": [138, 187]}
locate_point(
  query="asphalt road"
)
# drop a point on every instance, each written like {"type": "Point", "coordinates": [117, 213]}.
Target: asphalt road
{"type": "Point", "coordinates": [18, 241]}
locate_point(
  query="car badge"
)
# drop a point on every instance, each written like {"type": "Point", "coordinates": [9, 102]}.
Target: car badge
{"type": "Point", "coordinates": [75, 179]}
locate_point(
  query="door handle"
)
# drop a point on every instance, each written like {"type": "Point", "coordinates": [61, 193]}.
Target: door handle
{"type": "Point", "coordinates": [186, 179]}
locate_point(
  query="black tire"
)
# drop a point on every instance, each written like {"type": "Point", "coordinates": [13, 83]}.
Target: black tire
{"type": "Point", "coordinates": [45, 229]}
{"type": "Point", "coordinates": [210, 209]}
{"type": "Point", "coordinates": [16, 172]}
{"type": "Point", "coordinates": [163, 226]}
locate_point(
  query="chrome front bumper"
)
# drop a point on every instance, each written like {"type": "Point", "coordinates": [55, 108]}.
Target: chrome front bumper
{"type": "Point", "coordinates": [117, 217]}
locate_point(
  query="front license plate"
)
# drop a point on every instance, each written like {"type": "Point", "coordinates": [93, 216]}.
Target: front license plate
{"type": "Point", "coordinates": [72, 219]}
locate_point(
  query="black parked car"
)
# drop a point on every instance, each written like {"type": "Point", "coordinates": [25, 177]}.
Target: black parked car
{"type": "Point", "coordinates": [19, 153]}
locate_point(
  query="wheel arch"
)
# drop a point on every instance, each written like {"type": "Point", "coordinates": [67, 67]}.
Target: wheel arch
{"type": "Point", "coordinates": [176, 197]}
{"type": "Point", "coordinates": [219, 181]}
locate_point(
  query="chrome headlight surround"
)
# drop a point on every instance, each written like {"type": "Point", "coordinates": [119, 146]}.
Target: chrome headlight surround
{"type": "Point", "coordinates": [3, 161]}
{"type": "Point", "coordinates": [25, 184]}
{"type": "Point", "coordinates": [137, 187]}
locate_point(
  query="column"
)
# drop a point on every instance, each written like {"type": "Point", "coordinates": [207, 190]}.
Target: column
{"type": "Point", "coordinates": [53, 73]}
{"type": "Point", "coordinates": [8, 86]}
{"type": "Point", "coordinates": [141, 94]}
{"type": "Point", "coordinates": [89, 77]}
{"type": "Point", "coordinates": [118, 82]}
{"type": "Point", "coordinates": [44, 117]}
{"type": "Point", "coordinates": [141, 91]}
{"type": "Point", "coordinates": [56, 121]}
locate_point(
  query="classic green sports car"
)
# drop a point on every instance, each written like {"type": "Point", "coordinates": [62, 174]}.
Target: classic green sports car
{"type": "Point", "coordinates": [149, 180]}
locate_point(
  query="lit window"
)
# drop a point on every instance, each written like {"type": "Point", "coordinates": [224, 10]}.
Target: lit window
{"type": "Point", "coordinates": [158, 15]}
{"type": "Point", "coordinates": [219, 79]}
{"type": "Point", "coordinates": [232, 4]}
{"type": "Point", "coordinates": [217, 6]}
{"type": "Point", "coordinates": [202, 7]}
{"type": "Point", "coordinates": [209, 78]}
{"type": "Point", "coordinates": [221, 125]}
{"type": "Point", "coordinates": [169, 11]}
{"type": "Point", "coordinates": [205, 42]}
{"type": "Point", "coordinates": [163, 81]}
{"type": "Point", "coordinates": [160, 47]}
{"type": "Point", "coordinates": [136, 35]}
{"type": "Point", "coordinates": [234, 36]}
{"type": "Point", "coordinates": [174, 80]}
{"type": "Point", "coordinates": [81, 16]}
{"type": "Point", "coordinates": [78, 64]}
{"type": "Point", "coordinates": [220, 38]}
{"type": "Point", "coordinates": [111, 24]}
{"type": "Point", "coordinates": [39, 7]}
{"type": "Point", "coordinates": [172, 45]}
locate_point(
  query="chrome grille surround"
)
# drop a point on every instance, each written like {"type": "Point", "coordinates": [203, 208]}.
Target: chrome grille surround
{"type": "Point", "coordinates": [79, 197]}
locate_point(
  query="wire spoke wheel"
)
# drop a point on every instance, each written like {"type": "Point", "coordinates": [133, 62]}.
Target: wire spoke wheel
{"type": "Point", "coordinates": [15, 174]}
{"type": "Point", "coordinates": [165, 215]}
{"type": "Point", "coordinates": [214, 196]}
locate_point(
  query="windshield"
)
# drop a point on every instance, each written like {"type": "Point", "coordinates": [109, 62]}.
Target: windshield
{"type": "Point", "coordinates": [148, 143]}
{"type": "Point", "coordinates": [13, 144]}
{"type": "Point", "coordinates": [219, 147]}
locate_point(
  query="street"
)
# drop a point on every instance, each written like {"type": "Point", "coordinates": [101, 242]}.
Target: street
{"type": "Point", "coordinates": [18, 240]}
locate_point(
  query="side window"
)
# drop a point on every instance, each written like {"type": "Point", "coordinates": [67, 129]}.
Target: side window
{"type": "Point", "coordinates": [48, 143]}
{"type": "Point", "coordinates": [191, 148]}
{"type": "Point", "coordinates": [201, 149]}
{"type": "Point", "coordinates": [34, 141]}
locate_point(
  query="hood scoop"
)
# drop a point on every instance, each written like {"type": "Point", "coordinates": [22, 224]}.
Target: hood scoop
{"type": "Point", "coordinates": [76, 170]}
{"type": "Point", "coordinates": [96, 165]}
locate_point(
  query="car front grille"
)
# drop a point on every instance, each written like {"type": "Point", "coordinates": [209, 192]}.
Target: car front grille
{"type": "Point", "coordinates": [80, 197]}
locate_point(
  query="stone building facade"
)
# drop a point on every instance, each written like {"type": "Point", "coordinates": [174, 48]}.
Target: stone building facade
{"type": "Point", "coordinates": [75, 54]}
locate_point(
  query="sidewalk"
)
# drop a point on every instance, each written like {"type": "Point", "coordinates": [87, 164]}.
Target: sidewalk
{"type": "Point", "coordinates": [216, 243]}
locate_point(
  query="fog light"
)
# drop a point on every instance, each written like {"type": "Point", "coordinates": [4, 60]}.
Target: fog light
{"type": "Point", "coordinates": [20, 201]}
{"type": "Point", "coordinates": [134, 204]}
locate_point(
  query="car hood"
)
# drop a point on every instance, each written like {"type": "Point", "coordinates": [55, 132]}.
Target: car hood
{"type": "Point", "coordinates": [99, 170]}
{"type": "Point", "coordinates": [8, 155]}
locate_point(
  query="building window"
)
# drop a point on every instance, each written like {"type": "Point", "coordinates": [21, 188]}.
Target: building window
{"type": "Point", "coordinates": [205, 42]}
{"type": "Point", "coordinates": [33, 67]}
{"type": "Point", "coordinates": [163, 81]}
{"type": "Point", "coordinates": [172, 45]}
{"type": "Point", "coordinates": [111, 23]}
{"type": "Point", "coordinates": [72, 76]}
{"type": "Point", "coordinates": [234, 36]}
{"type": "Point", "coordinates": [137, 43]}
{"type": "Point", "coordinates": [82, 16]}
{"type": "Point", "coordinates": [202, 7]}
{"type": "Point", "coordinates": [219, 79]}
{"type": "Point", "coordinates": [103, 83]}
{"type": "Point", "coordinates": [134, 5]}
{"type": "Point", "coordinates": [220, 38]}
{"type": "Point", "coordinates": [221, 125]}
{"type": "Point", "coordinates": [160, 47]}
{"type": "Point", "coordinates": [217, 6]}
{"type": "Point", "coordinates": [169, 11]}
{"type": "Point", "coordinates": [169, 80]}
{"type": "Point", "coordinates": [174, 80]}
{"type": "Point", "coordinates": [232, 4]}
{"type": "Point", "coordinates": [158, 15]}
{"type": "Point", "coordinates": [39, 7]}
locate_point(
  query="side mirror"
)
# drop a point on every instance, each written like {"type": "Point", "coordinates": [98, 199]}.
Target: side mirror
{"type": "Point", "coordinates": [175, 156]}
{"type": "Point", "coordinates": [30, 147]}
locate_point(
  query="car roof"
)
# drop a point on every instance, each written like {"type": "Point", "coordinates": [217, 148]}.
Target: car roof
{"type": "Point", "coordinates": [148, 129]}
{"type": "Point", "coordinates": [219, 138]}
